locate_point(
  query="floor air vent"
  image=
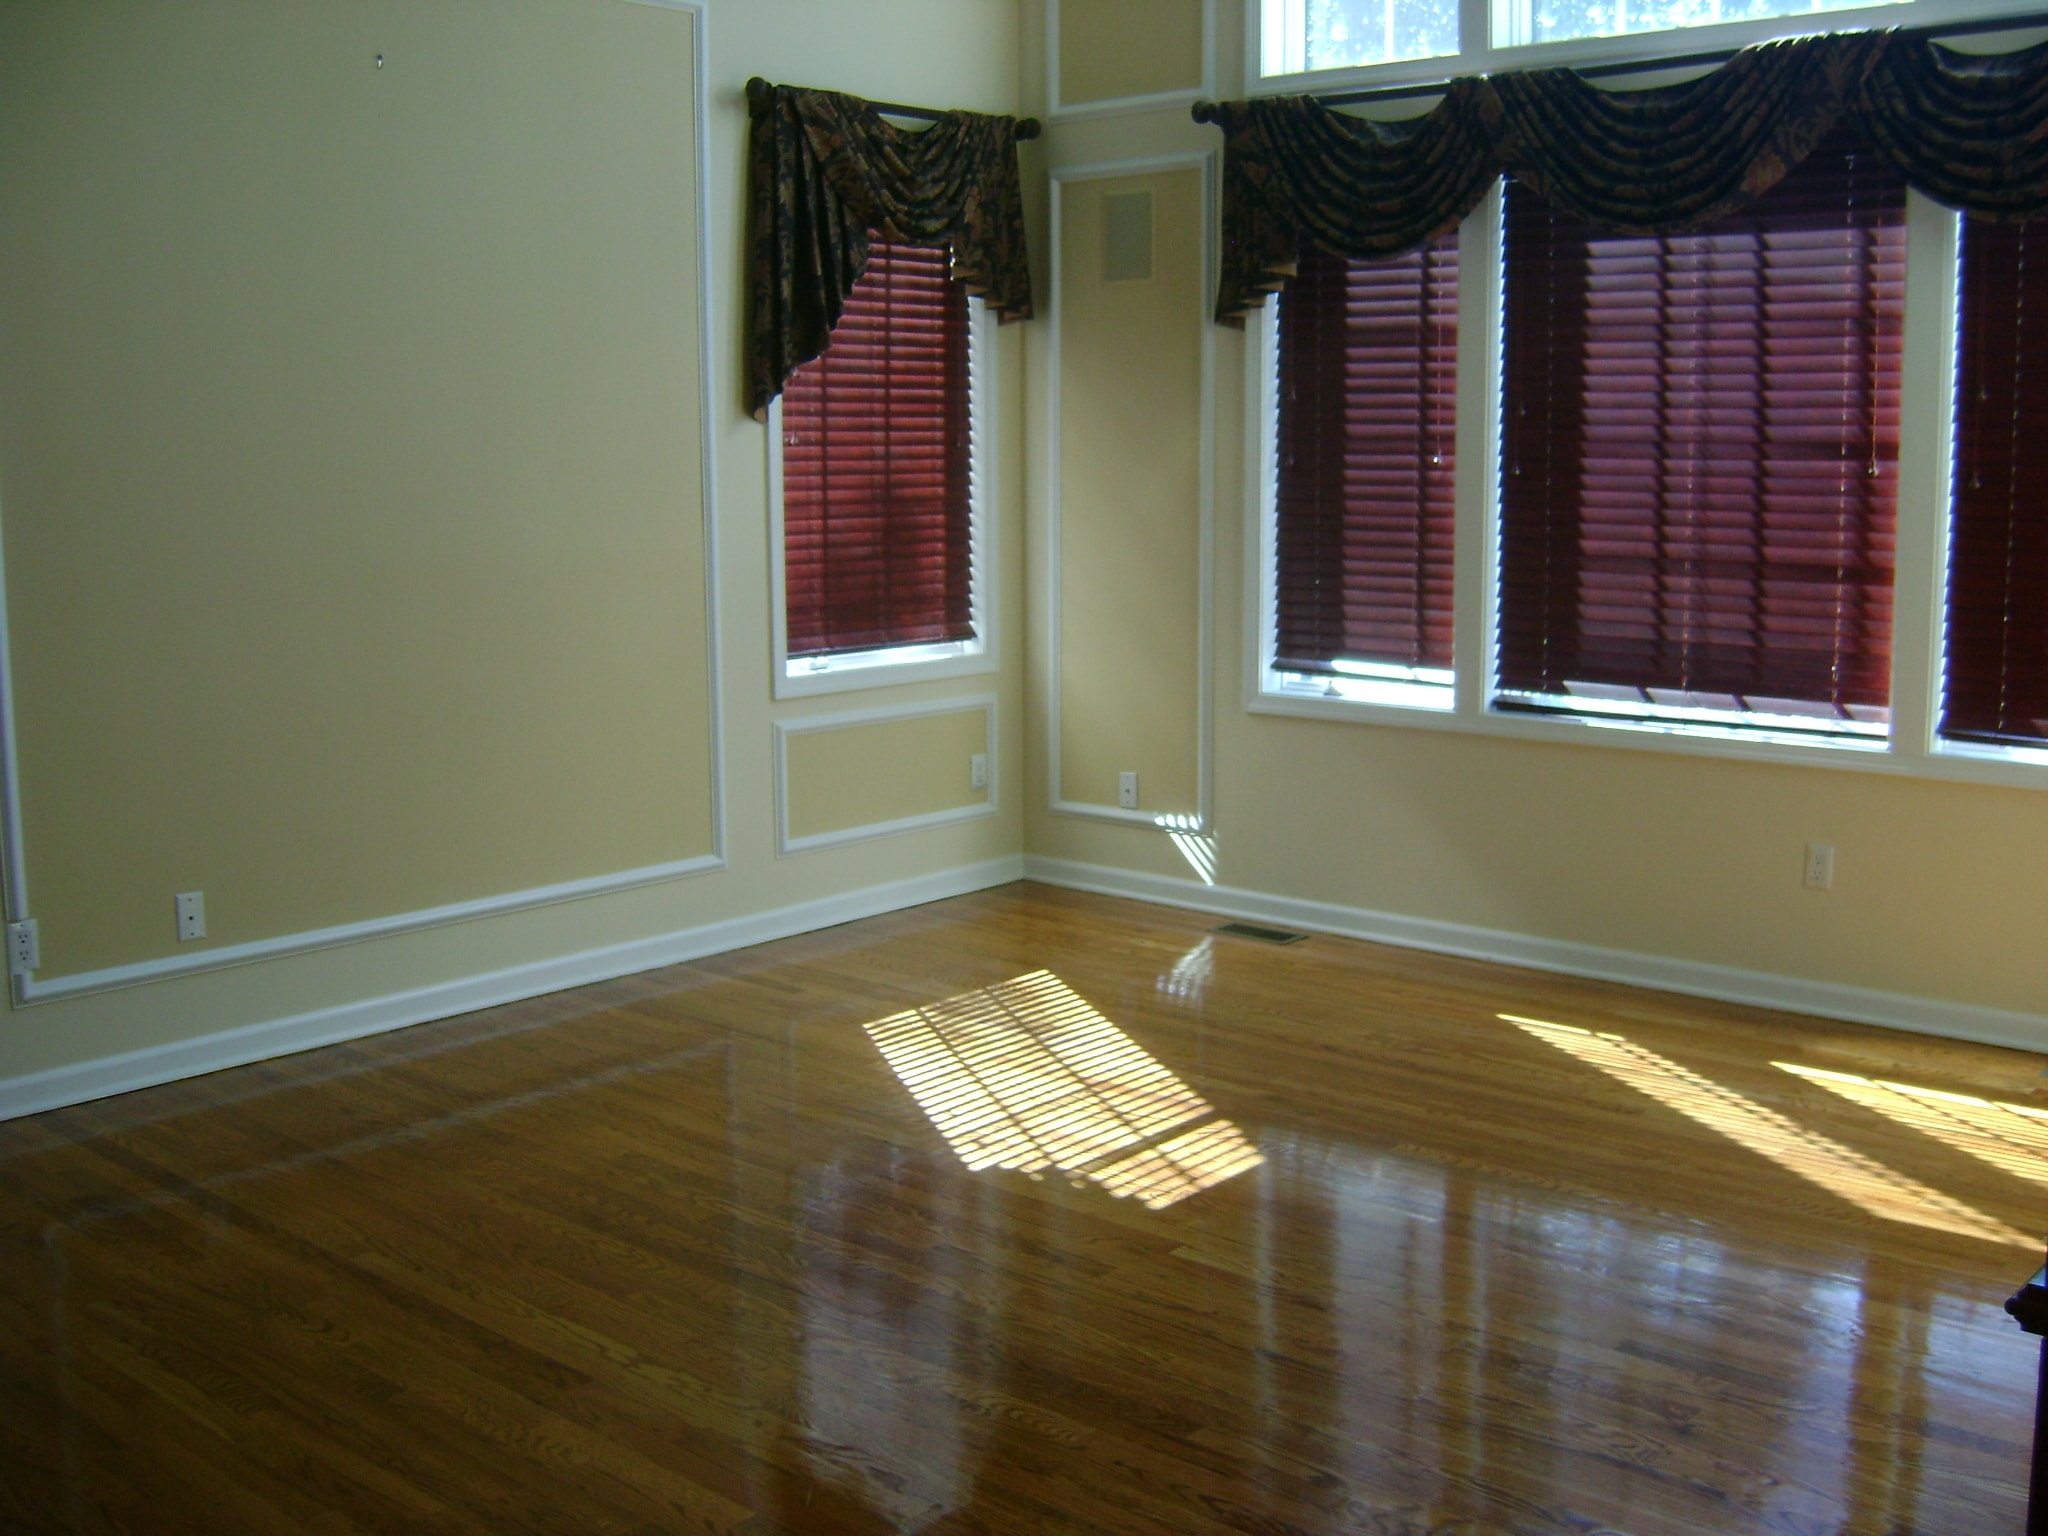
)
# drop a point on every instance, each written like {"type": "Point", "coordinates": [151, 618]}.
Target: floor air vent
{"type": "Point", "coordinates": [1263, 935]}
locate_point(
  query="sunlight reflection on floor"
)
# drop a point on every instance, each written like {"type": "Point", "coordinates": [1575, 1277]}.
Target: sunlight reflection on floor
{"type": "Point", "coordinates": [1840, 1170]}
{"type": "Point", "coordinates": [1027, 1076]}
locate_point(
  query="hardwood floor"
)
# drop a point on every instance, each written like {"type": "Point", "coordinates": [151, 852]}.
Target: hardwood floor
{"type": "Point", "coordinates": [1255, 1239]}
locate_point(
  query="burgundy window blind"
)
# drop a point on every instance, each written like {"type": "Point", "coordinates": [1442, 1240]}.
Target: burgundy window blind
{"type": "Point", "coordinates": [1699, 453]}
{"type": "Point", "coordinates": [877, 467]}
{"type": "Point", "coordinates": [1365, 520]}
{"type": "Point", "coordinates": [1996, 661]}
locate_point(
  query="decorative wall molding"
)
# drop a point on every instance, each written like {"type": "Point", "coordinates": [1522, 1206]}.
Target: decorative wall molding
{"type": "Point", "coordinates": [786, 844]}
{"type": "Point", "coordinates": [1207, 163]}
{"type": "Point", "coordinates": [38, 1091]}
{"type": "Point", "coordinates": [1059, 111]}
{"type": "Point", "coordinates": [1693, 978]}
{"type": "Point", "coordinates": [28, 989]}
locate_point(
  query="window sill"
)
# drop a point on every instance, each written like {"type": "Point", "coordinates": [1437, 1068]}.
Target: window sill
{"type": "Point", "coordinates": [2017, 768]}
{"type": "Point", "coordinates": [797, 679]}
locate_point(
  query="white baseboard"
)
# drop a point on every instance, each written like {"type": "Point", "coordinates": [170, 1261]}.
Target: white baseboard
{"type": "Point", "coordinates": [1826, 999]}
{"type": "Point", "coordinates": [52, 1089]}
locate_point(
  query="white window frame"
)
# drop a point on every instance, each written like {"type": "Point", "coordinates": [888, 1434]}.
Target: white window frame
{"type": "Point", "coordinates": [1926, 456]}
{"type": "Point", "coordinates": [802, 676]}
{"type": "Point", "coordinates": [1486, 28]}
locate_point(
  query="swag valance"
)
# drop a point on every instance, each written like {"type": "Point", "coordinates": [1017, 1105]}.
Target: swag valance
{"type": "Point", "coordinates": [826, 168]}
{"type": "Point", "coordinates": [1969, 131]}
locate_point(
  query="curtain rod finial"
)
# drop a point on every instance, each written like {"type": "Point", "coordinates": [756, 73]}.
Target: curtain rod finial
{"type": "Point", "coordinates": [757, 91]}
{"type": "Point", "coordinates": [1203, 112]}
{"type": "Point", "coordinates": [1028, 128]}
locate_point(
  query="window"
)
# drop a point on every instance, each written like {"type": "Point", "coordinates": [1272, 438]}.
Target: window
{"type": "Point", "coordinates": [1549, 21]}
{"type": "Point", "coordinates": [1304, 36]}
{"type": "Point", "coordinates": [877, 454]}
{"type": "Point", "coordinates": [1699, 459]}
{"type": "Point", "coordinates": [1365, 516]}
{"type": "Point", "coordinates": [1386, 41]}
{"type": "Point", "coordinates": [1776, 490]}
{"type": "Point", "coordinates": [1995, 662]}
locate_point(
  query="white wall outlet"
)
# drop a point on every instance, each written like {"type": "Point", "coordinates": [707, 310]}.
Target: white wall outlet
{"type": "Point", "coordinates": [977, 771]}
{"type": "Point", "coordinates": [191, 916]}
{"type": "Point", "coordinates": [24, 947]}
{"type": "Point", "coordinates": [1820, 866]}
{"type": "Point", "coordinates": [1127, 791]}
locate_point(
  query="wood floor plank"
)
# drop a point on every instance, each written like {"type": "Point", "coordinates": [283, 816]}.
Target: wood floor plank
{"type": "Point", "coordinates": [683, 1252]}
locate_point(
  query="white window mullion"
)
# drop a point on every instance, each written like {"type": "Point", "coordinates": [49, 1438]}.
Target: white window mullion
{"type": "Point", "coordinates": [1926, 454]}
{"type": "Point", "coordinates": [1262, 451]}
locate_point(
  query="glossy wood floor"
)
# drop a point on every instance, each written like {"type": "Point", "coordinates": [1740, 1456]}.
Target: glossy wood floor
{"type": "Point", "coordinates": [1257, 1240]}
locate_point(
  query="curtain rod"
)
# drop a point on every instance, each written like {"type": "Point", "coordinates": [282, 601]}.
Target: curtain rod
{"type": "Point", "coordinates": [1027, 127]}
{"type": "Point", "coordinates": [1205, 111]}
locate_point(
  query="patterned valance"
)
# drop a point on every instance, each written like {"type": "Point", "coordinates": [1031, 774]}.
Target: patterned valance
{"type": "Point", "coordinates": [825, 169]}
{"type": "Point", "coordinates": [1969, 131]}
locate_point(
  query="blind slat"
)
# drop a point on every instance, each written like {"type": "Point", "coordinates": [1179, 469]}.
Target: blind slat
{"type": "Point", "coordinates": [1365, 511]}
{"type": "Point", "coordinates": [877, 466]}
{"type": "Point", "coordinates": [1995, 661]}
{"type": "Point", "coordinates": [1700, 446]}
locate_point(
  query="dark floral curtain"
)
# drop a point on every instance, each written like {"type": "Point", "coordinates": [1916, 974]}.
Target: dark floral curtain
{"type": "Point", "coordinates": [1667, 160]}
{"type": "Point", "coordinates": [825, 169]}
{"type": "Point", "coordinates": [1969, 131]}
{"type": "Point", "coordinates": [1298, 177]}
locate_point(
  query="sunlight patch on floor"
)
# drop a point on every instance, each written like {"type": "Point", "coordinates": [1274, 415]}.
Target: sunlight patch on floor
{"type": "Point", "coordinates": [1841, 1171]}
{"type": "Point", "coordinates": [1027, 1076]}
{"type": "Point", "coordinates": [2010, 1137]}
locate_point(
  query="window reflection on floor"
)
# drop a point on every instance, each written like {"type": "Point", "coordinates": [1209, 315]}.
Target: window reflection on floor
{"type": "Point", "coordinates": [2011, 1137]}
{"type": "Point", "coordinates": [1027, 1076]}
{"type": "Point", "coordinates": [1840, 1170]}
{"type": "Point", "coordinates": [1188, 981]}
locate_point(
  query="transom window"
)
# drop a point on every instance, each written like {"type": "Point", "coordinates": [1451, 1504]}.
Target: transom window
{"type": "Point", "coordinates": [1391, 40]}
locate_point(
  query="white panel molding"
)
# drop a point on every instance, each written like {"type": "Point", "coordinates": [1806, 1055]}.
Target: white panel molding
{"type": "Point", "coordinates": [33, 990]}
{"type": "Point", "coordinates": [37, 1091]}
{"type": "Point", "coordinates": [1060, 111]}
{"type": "Point", "coordinates": [787, 845]}
{"type": "Point", "coordinates": [27, 989]}
{"type": "Point", "coordinates": [1693, 978]}
{"type": "Point", "coordinates": [1205, 665]}
{"type": "Point", "coordinates": [708, 384]}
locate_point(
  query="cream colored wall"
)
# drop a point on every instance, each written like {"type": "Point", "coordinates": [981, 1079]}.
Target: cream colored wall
{"type": "Point", "coordinates": [1130, 507]}
{"type": "Point", "coordinates": [335, 594]}
{"type": "Point", "coordinates": [843, 777]}
{"type": "Point", "coordinates": [1117, 48]}
{"type": "Point", "coordinates": [499, 676]}
{"type": "Point", "coordinates": [1941, 888]}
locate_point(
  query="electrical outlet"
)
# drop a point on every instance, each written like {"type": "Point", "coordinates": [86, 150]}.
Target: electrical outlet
{"type": "Point", "coordinates": [1127, 791]}
{"type": "Point", "coordinates": [977, 771]}
{"type": "Point", "coordinates": [191, 916]}
{"type": "Point", "coordinates": [1820, 866]}
{"type": "Point", "coordinates": [24, 947]}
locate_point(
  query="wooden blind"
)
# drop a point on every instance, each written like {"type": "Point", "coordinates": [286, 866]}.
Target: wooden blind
{"type": "Point", "coordinates": [1365, 515]}
{"type": "Point", "coordinates": [1996, 661]}
{"type": "Point", "coordinates": [1699, 452]}
{"type": "Point", "coordinates": [877, 467]}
